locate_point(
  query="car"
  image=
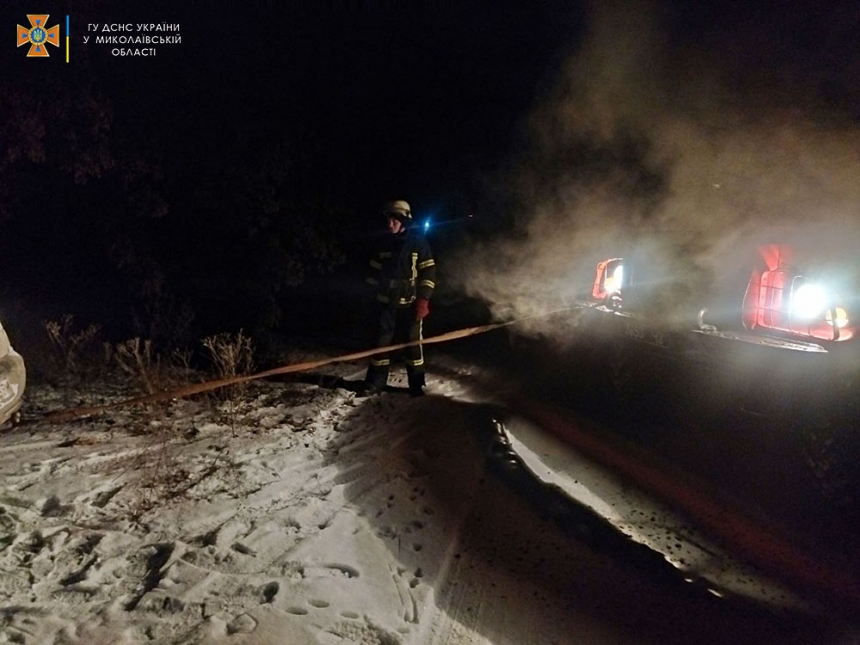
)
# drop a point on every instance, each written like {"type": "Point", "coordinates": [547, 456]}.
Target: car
{"type": "Point", "coordinates": [772, 352]}
{"type": "Point", "coordinates": [778, 338]}
{"type": "Point", "coordinates": [13, 380]}
{"type": "Point", "coordinates": [778, 306]}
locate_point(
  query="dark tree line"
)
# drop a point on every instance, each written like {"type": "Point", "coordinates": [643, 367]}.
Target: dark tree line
{"type": "Point", "coordinates": [139, 225]}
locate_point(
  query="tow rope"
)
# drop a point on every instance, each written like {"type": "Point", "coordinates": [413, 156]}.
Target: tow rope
{"type": "Point", "coordinates": [189, 390]}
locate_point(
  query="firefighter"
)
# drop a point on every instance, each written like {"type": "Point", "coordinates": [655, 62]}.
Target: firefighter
{"type": "Point", "coordinates": [403, 273]}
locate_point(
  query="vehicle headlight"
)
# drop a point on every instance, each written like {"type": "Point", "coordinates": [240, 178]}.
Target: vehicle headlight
{"type": "Point", "coordinates": [613, 283]}
{"type": "Point", "coordinates": [808, 301]}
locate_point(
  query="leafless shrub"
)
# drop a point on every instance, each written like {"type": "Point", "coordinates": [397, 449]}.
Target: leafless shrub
{"type": "Point", "coordinates": [181, 360]}
{"type": "Point", "coordinates": [138, 358]}
{"type": "Point", "coordinates": [70, 345]}
{"type": "Point", "coordinates": [159, 474]}
{"type": "Point", "coordinates": [135, 358]}
{"type": "Point", "coordinates": [231, 355]}
{"type": "Point", "coordinates": [162, 475]}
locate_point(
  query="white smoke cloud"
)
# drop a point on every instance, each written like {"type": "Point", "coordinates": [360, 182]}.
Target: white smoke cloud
{"type": "Point", "coordinates": [668, 156]}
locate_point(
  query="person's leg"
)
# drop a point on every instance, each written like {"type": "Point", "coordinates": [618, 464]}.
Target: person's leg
{"type": "Point", "coordinates": [415, 356]}
{"type": "Point", "coordinates": [377, 371]}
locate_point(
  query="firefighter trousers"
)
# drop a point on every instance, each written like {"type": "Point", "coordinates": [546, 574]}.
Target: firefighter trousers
{"type": "Point", "coordinates": [398, 325]}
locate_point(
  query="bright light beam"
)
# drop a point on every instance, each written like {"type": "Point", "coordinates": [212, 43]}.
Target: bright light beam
{"type": "Point", "coordinates": [809, 300]}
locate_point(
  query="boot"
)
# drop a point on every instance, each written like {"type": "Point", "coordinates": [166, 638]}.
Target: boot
{"type": "Point", "coordinates": [416, 383]}
{"type": "Point", "coordinates": [376, 379]}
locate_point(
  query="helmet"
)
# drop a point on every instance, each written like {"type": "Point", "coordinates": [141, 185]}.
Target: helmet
{"type": "Point", "coordinates": [399, 209]}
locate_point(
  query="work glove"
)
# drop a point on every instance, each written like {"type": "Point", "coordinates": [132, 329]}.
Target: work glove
{"type": "Point", "coordinates": [422, 308]}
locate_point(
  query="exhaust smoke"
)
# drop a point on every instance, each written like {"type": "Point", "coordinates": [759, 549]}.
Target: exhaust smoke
{"type": "Point", "coordinates": [675, 150]}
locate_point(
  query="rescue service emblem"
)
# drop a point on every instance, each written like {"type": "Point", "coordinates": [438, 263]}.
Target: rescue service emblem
{"type": "Point", "coordinates": [38, 35]}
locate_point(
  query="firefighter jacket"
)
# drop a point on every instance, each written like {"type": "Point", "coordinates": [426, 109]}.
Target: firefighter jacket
{"type": "Point", "coordinates": [403, 269]}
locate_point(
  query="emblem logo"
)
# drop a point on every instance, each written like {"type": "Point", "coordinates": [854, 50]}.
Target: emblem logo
{"type": "Point", "coordinates": [38, 35]}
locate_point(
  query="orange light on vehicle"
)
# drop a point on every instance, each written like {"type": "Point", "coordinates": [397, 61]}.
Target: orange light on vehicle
{"type": "Point", "coordinates": [841, 320]}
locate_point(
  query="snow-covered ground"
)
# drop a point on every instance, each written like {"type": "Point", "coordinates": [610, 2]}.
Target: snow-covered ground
{"type": "Point", "coordinates": [295, 513]}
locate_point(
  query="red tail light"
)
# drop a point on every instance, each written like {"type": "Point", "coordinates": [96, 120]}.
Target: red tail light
{"type": "Point", "coordinates": [608, 279]}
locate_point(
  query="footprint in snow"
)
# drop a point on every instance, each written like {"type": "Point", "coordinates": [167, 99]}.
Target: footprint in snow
{"type": "Point", "coordinates": [101, 498]}
{"type": "Point", "coordinates": [51, 507]}
{"type": "Point", "coordinates": [242, 624]}
{"type": "Point", "coordinates": [331, 570]}
{"type": "Point", "coordinates": [241, 548]}
{"type": "Point", "coordinates": [270, 591]}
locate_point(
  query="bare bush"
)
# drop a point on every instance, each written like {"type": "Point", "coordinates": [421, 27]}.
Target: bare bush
{"type": "Point", "coordinates": [180, 361]}
{"type": "Point", "coordinates": [162, 475]}
{"type": "Point", "coordinates": [232, 355]}
{"type": "Point", "coordinates": [138, 358]}
{"type": "Point", "coordinates": [135, 358]}
{"type": "Point", "coordinates": [69, 345]}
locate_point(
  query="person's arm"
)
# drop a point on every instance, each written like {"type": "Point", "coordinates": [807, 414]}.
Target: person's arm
{"type": "Point", "coordinates": [426, 266]}
{"type": "Point", "coordinates": [426, 280]}
{"type": "Point", "coordinates": [374, 270]}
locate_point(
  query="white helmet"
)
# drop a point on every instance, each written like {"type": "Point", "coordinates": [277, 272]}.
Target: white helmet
{"type": "Point", "coordinates": [398, 208]}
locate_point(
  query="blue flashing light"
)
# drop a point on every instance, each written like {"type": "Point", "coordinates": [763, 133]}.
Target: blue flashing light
{"type": "Point", "coordinates": [426, 224]}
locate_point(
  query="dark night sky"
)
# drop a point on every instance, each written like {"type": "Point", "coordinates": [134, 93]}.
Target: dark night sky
{"type": "Point", "coordinates": [384, 96]}
{"type": "Point", "coordinates": [378, 97]}
{"type": "Point", "coordinates": [365, 99]}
